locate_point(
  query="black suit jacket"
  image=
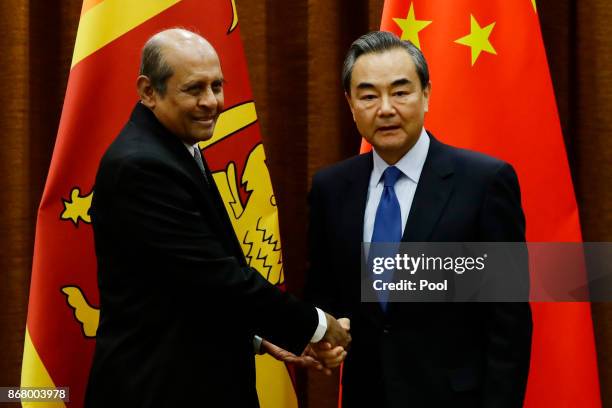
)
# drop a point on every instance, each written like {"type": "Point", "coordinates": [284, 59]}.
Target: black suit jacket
{"type": "Point", "coordinates": [423, 354]}
{"type": "Point", "coordinates": [179, 305]}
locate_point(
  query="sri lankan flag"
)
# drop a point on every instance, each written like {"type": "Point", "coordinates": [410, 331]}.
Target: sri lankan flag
{"type": "Point", "coordinates": [62, 314]}
{"type": "Point", "coordinates": [492, 92]}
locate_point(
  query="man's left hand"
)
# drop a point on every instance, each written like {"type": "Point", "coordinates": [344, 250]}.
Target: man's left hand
{"type": "Point", "coordinates": [285, 356]}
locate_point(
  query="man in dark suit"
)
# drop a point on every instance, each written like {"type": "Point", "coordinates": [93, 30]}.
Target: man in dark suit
{"type": "Point", "coordinates": [179, 305]}
{"type": "Point", "coordinates": [413, 188]}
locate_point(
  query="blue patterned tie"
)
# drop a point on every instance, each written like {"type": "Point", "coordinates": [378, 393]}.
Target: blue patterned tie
{"type": "Point", "coordinates": [387, 224]}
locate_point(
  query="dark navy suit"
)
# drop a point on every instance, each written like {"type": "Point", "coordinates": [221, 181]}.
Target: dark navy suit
{"type": "Point", "coordinates": [423, 354]}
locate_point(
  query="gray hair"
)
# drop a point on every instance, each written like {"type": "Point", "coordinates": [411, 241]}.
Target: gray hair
{"type": "Point", "coordinates": [378, 42]}
{"type": "Point", "coordinates": [154, 66]}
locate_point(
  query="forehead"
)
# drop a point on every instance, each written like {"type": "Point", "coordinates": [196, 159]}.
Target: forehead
{"type": "Point", "coordinates": [382, 68]}
{"type": "Point", "coordinates": [193, 61]}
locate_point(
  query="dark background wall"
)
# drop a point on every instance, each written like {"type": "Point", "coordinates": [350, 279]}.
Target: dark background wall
{"type": "Point", "coordinates": [294, 50]}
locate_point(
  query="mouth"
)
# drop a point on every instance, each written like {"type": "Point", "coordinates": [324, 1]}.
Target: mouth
{"type": "Point", "coordinates": [389, 128]}
{"type": "Point", "coordinates": [205, 121]}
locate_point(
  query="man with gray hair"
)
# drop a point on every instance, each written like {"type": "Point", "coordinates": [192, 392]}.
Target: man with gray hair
{"type": "Point", "coordinates": [412, 187]}
{"type": "Point", "coordinates": [179, 306]}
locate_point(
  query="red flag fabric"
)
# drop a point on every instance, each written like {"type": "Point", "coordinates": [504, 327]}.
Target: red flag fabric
{"type": "Point", "coordinates": [492, 92]}
{"type": "Point", "coordinates": [62, 313]}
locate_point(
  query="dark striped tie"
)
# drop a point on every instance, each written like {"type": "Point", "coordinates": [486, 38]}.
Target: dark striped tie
{"type": "Point", "coordinates": [197, 155]}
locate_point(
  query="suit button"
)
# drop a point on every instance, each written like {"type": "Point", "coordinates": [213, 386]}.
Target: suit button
{"type": "Point", "coordinates": [387, 329]}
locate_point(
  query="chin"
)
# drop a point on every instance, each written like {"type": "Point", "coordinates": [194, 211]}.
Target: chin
{"type": "Point", "coordinates": [393, 148]}
{"type": "Point", "coordinates": [203, 137]}
{"type": "Point", "coordinates": [391, 145]}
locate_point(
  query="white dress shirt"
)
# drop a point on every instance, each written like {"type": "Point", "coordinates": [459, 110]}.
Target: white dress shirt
{"type": "Point", "coordinates": [191, 148]}
{"type": "Point", "coordinates": [411, 165]}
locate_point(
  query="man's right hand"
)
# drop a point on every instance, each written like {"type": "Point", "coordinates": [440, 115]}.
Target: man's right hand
{"type": "Point", "coordinates": [336, 335]}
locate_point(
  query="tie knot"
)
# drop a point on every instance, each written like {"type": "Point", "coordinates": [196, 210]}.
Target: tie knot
{"type": "Point", "coordinates": [390, 176]}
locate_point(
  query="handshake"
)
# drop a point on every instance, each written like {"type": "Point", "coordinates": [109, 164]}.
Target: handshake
{"type": "Point", "coordinates": [322, 356]}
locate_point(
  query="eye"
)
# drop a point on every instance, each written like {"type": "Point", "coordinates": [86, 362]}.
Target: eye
{"type": "Point", "coordinates": [193, 89]}
{"type": "Point", "coordinates": [217, 86]}
{"type": "Point", "coordinates": [400, 93]}
{"type": "Point", "coordinates": [367, 97]}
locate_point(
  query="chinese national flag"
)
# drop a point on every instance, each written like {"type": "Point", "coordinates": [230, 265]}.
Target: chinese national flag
{"type": "Point", "coordinates": [63, 306]}
{"type": "Point", "coordinates": [492, 92]}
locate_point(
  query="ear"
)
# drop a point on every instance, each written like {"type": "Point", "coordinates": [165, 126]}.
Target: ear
{"type": "Point", "coordinates": [350, 103]}
{"type": "Point", "coordinates": [426, 93]}
{"type": "Point", "coordinates": [147, 94]}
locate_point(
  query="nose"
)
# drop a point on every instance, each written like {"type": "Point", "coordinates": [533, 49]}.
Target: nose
{"type": "Point", "coordinates": [386, 106]}
{"type": "Point", "coordinates": [208, 99]}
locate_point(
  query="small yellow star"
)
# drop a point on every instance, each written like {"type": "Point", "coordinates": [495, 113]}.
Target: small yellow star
{"type": "Point", "coordinates": [478, 39]}
{"type": "Point", "coordinates": [411, 26]}
{"type": "Point", "coordinates": [533, 2]}
{"type": "Point", "coordinates": [77, 208]}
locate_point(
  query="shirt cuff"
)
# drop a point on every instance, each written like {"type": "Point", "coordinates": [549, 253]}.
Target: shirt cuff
{"type": "Point", "coordinates": [257, 345]}
{"type": "Point", "coordinates": [321, 328]}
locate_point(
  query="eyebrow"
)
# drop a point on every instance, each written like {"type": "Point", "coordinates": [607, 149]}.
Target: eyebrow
{"type": "Point", "coordinates": [401, 81]}
{"type": "Point", "coordinates": [397, 82]}
{"type": "Point", "coordinates": [197, 83]}
{"type": "Point", "coordinates": [365, 85]}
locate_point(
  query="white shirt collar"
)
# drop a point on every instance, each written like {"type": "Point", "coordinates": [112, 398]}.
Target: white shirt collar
{"type": "Point", "coordinates": [411, 164]}
{"type": "Point", "coordinates": [191, 148]}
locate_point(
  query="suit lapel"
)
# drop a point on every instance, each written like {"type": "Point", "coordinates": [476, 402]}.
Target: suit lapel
{"type": "Point", "coordinates": [357, 190]}
{"type": "Point", "coordinates": [430, 198]}
{"type": "Point", "coordinates": [432, 193]}
{"type": "Point", "coordinates": [227, 228]}
{"type": "Point", "coordinates": [211, 199]}
{"type": "Point", "coordinates": [213, 204]}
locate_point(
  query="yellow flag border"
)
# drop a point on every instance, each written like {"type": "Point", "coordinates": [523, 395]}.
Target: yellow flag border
{"type": "Point", "coordinates": [35, 374]}
{"type": "Point", "coordinates": [111, 19]}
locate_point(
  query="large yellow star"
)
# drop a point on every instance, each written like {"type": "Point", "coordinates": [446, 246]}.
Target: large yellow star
{"type": "Point", "coordinates": [77, 208]}
{"type": "Point", "coordinates": [478, 39]}
{"type": "Point", "coordinates": [411, 26]}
